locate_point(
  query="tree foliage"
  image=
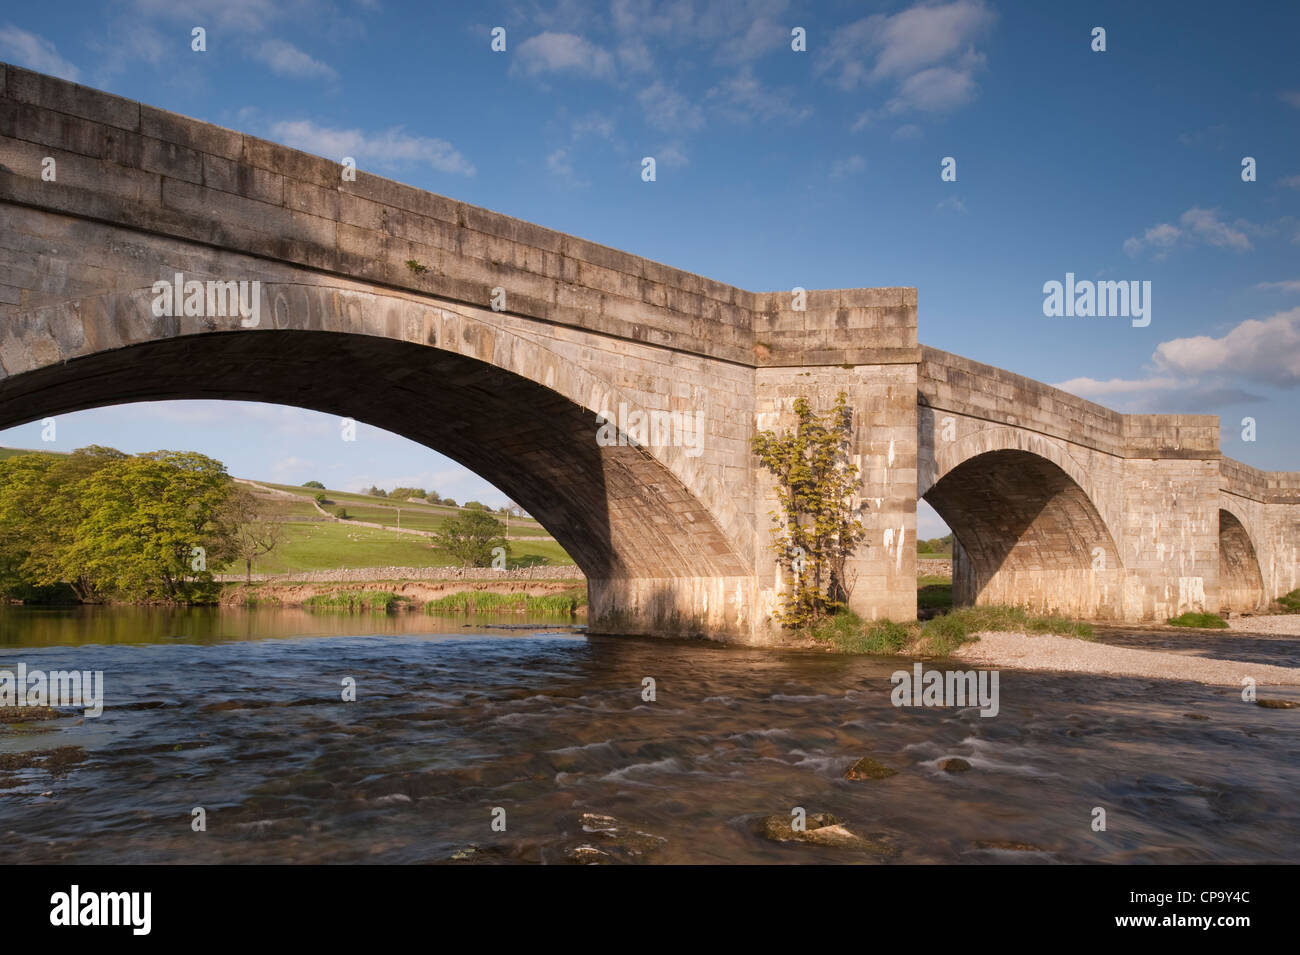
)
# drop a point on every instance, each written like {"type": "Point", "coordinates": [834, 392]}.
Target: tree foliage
{"type": "Point", "coordinates": [814, 531]}
{"type": "Point", "coordinates": [114, 526]}
{"type": "Point", "coordinates": [252, 532]}
{"type": "Point", "coordinates": [471, 536]}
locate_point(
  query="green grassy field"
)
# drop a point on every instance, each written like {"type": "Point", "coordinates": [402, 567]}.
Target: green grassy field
{"type": "Point", "coordinates": [312, 542]}
{"type": "Point", "coordinates": [419, 517]}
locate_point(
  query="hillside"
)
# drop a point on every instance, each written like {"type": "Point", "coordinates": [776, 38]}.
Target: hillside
{"type": "Point", "coordinates": [316, 541]}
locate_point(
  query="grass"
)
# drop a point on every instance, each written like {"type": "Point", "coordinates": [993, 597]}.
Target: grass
{"type": "Point", "coordinates": [324, 545]}
{"type": "Point", "coordinates": [940, 636]}
{"type": "Point", "coordinates": [376, 601]}
{"type": "Point", "coordinates": [933, 594]}
{"type": "Point", "coordinates": [1290, 603]}
{"type": "Point", "coordinates": [1205, 620]}
{"type": "Point", "coordinates": [481, 601]}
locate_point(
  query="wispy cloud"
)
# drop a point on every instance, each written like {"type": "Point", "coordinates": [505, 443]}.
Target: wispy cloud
{"type": "Point", "coordinates": [34, 52]}
{"type": "Point", "coordinates": [389, 148]}
{"type": "Point", "coordinates": [1201, 372]}
{"type": "Point", "coordinates": [742, 97]}
{"type": "Point", "coordinates": [925, 53]}
{"type": "Point", "coordinates": [849, 166]}
{"type": "Point", "coordinates": [1196, 225]}
{"type": "Point", "coordinates": [563, 53]}
{"type": "Point", "coordinates": [287, 60]}
{"type": "Point", "coordinates": [667, 109]}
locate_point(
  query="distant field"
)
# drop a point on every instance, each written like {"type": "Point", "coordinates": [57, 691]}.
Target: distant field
{"type": "Point", "coordinates": [14, 452]}
{"type": "Point", "coordinates": [313, 542]}
{"type": "Point", "coordinates": [325, 545]}
{"type": "Point", "coordinates": [419, 517]}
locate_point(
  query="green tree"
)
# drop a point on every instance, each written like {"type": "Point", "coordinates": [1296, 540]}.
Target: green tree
{"type": "Point", "coordinates": [814, 531]}
{"type": "Point", "coordinates": [249, 527]}
{"type": "Point", "coordinates": [315, 484]}
{"type": "Point", "coordinates": [145, 516]}
{"type": "Point", "coordinates": [471, 536]}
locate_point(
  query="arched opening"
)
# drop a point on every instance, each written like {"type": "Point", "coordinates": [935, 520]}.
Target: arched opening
{"type": "Point", "coordinates": [1241, 585]}
{"type": "Point", "coordinates": [1026, 534]}
{"type": "Point", "coordinates": [618, 511]}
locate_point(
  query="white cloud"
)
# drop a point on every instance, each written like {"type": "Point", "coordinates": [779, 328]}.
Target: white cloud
{"type": "Point", "coordinates": [927, 52]}
{"type": "Point", "coordinates": [953, 203]}
{"type": "Point", "coordinates": [561, 165]}
{"type": "Point", "coordinates": [907, 131]}
{"type": "Point", "coordinates": [671, 156]}
{"type": "Point", "coordinates": [1291, 182]}
{"type": "Point", "coordinates": [563, 53]}
{"type": "Point", "coordinates": [1288, 285]}
{"type": "Point", "coordinates": [1206, 224]}
{"type": "Point", "coordinates": [1196, 224]}
{"type": "Point", "coordinates": [669, 110]}
{"type": "Point", "coordinates": [34, 52]}
{"type": "Point", "coordinates": [287, 60]}
{"type": "Point", "coordinates": [743, 97]}
{"type": "Point", "coordinates": [1265, 351]}
{"type": "Point", "coordinates": [593, 124]}
{"type": "Point", "coordinates": [389, 148]}
{"type": "Point", "coordinates": [849, 166]}
{"type": "Point", "coordinates": [737, 31]}
{"type": "Point", "coordinates": [1290, 97]}
{"type": "Point", "coordinates": [250, 16]}
{"type": "Point", "coordinates": [1093, 388]}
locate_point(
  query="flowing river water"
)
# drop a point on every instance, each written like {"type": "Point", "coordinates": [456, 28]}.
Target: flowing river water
{"type": "Point", "coordinates": [241, 713]}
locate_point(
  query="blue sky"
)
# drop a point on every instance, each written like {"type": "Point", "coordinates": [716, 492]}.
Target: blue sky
{"type": "Point", "coordinates": [779, 168]}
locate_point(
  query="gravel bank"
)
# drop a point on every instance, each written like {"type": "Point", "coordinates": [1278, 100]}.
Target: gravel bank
{"type": "Point", "coordinates": [1033, 652]}
{"type": "Point", "coordinates": [1287, 623]}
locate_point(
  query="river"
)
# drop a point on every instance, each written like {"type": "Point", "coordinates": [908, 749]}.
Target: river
{"type": "Point", "coordinates": [544, 729]}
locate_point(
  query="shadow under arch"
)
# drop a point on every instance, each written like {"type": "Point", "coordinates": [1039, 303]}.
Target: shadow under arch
{"type": "Point", "coordinates": [1026, 534]}
{"type": "Point", "coordinates": [618, 511]}
{"type": "Point", "coordinates": [1241, 584]}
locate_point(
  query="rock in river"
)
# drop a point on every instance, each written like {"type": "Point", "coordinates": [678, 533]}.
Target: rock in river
{"type": "Point", "coordinates": [868, 768]}
{"type": "Point", "coordinates": [822, 829]}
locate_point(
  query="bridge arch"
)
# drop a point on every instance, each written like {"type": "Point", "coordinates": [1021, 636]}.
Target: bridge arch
{"type": "Point", "coordinates": [1241, 583]}
{"type": "Point", "coordinates": [497, 401]}
{"type": "Point", "coordinates": [1026, 527]}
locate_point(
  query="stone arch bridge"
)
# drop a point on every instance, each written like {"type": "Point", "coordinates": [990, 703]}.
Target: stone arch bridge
{"type": "Point", "coordinates": [375, 302]}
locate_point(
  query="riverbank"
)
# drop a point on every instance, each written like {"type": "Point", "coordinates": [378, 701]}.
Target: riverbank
{"type": "Point", "coordinates": [411, 595]}
{"type": "Point", "coordinates": [1024, 651]}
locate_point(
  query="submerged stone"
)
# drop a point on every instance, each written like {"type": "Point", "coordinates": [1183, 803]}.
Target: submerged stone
{"type": "Point", "coordinates": [823, 829]}
{"type": "Point", "coordinates": [868, 768]}
{"type": "Point", "coordinates": [954, 764]}
{"type": "Point", "coordinates": [1277, 704]}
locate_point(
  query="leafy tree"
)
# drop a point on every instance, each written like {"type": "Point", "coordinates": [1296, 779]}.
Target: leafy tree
{"type": "Point", "coordinates": [377, 491]}
{"type": "Point", "coordinates": [315, 484]}
{"type": "Point", "coordinates": [814, 531]}
{"type": "Point", "coordinates": [471, 536]}
{"type": "Point", "coordinates": [448, 502]}
{"type": "Point", "coordinates": [250, 531]}
{"type": "Point", "coordinates": [474, 506]}
{"type": "Point", "coordinates": [406, 493]}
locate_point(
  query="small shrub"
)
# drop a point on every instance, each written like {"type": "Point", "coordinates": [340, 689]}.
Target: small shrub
{"type": "Point", "coordinates": [1205, 620]}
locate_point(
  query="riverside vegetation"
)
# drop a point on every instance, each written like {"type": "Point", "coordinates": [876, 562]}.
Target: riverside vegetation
{"type": "Point", "coordinates": [102, 526]}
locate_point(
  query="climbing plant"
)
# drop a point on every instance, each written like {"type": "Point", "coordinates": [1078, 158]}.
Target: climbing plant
{"type": "Point", "coordinates": [814, 530]}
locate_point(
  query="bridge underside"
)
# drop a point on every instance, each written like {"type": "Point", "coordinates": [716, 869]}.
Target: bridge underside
{"type": "Point", "coordinates": [1027, 535]}
{"type": "Point", "coordinates": [1241, 585]}
{"type": "Point", "coordinates": [643, 541]}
